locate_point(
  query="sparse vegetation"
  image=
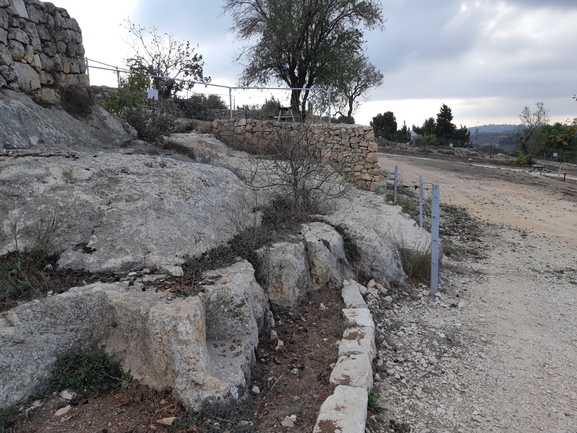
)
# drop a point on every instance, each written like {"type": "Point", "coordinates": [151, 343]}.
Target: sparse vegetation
{"type": "Point", "coordinates": [21, 271]}
{"type": "Point", "coordinates": [373, 404]}
{"type": "Point", "coordinates": [93, 372]}
{"type": "Point", "coordinates": [129, 102]}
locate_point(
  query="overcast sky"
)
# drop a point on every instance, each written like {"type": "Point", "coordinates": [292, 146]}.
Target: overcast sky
{"type": "Point", "coordinates": [486, 59]}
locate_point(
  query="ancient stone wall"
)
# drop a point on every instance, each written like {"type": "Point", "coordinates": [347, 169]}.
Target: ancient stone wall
{"type": "Point", "coordinates": [349, 148]}
{"type": "Point", "coordinates": [41, 50]}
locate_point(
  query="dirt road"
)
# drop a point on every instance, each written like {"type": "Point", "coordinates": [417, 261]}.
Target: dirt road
{"type": "Point", "coordinates": [497, 351]}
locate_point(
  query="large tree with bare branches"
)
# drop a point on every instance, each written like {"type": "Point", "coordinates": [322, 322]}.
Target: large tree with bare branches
{"type": "Point", "coordinates": [165, 58]}
{"type": "Point", "coordinates": [300, 42]}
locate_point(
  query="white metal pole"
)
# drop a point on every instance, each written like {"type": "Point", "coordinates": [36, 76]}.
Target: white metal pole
{"type": "Point", "coordinates": [396, 184]}
{"type": "Point", "coordinates": [420, 200]}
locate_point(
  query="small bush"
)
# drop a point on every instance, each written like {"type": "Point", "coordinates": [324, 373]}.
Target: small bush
{"type": "Point", "coordinates": [83, 373]}
{"type": "Point", "coordinates": [21, 272]}
{"type": "Point", "coordinates": [416, 263]}
{"type": "Point", "coordinates": [150, 125]}
{"type": "Point", "coordinates": [77, 101]}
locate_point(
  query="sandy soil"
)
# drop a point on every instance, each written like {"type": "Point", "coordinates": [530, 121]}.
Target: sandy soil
{"type": "Point", "coordinates": [497, 350]}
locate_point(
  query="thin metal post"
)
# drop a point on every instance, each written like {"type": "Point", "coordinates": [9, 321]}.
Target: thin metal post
{"type": "Point", "coordinates": [420, 200]}
{"type": "Point", "coordinates": [435, 215]}
{"type": "Point", "coordinates": [396, 184]}
{"type": "Point", "coordinates": [230, 101]}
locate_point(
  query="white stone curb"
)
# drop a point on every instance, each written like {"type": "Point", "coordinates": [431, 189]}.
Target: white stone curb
{"type": "Point", "coordinates": [346, 410]}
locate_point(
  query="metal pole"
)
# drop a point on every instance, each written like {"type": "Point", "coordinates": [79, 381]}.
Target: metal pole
{"type": "Point", "coordinates": [420, 200]}
{"type": "Point", "coordinates": [396, 184]}
{"type": "Point", "coordinates": [435, 215]}
{"type": "Point", "coordinates": [329, 93]}
{"type": "Point", "coordinates": [230, 101]}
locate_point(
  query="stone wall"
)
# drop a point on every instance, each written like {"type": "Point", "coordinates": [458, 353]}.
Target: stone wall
{"type": "Point", "coordinates": [351, 149]}
{"type": "Point", "coordinates": [41, 50]}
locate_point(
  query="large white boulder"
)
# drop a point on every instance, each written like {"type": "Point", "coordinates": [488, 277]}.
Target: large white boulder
{"type": "Point", "coordinates": [285, 268]}
{"type": "Point", "coordinates": [326, 254]}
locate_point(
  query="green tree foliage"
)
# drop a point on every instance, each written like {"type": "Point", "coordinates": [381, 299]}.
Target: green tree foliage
{"type": "Point", "coordinates": [301, 43]}
{"type": "Point", "coordinates": [161, 55]}
{"type": "Point", "coordinates": [129, 103]}
{"type": "Point", "coordinates": [130, 93]}
{"type": "Point", "coordinates": [385, 125]}
{"type": "Point", "coordinates": [443, 131]}
{"type": "Point", "coordinates": [429, 127]}
{"type": "Point", "coordinates": [560, 135]}
{"type": "Point", "coordinates": [530, 136]}
{"type": "Point", "coordinates": [200, 106]}
{"type": "Point", "coordinates": [403, 135]}
{"type": "Point", "coordinates": [271, 107]}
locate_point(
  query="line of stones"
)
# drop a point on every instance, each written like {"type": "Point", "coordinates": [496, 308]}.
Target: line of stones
{"type": "Point", "coordinates": [346, 409]}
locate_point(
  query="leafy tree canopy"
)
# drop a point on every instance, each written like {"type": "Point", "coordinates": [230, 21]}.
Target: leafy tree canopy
{"type": "Point", "coordinates": [385, 125]}
{"type": "Point", "coordinates": [301, 43]}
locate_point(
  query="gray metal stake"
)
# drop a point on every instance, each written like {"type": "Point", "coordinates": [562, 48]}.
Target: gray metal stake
{"type": "Point", "coordinates": [420, 201]}
{"type": "Point", "coordinates": [435, 215]}
{"type": "Point", "coordinates": [396, 184]}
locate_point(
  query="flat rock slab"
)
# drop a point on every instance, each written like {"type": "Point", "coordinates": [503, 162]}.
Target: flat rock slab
{"type": "Point", "coordinates": [358, 340]}
{"type": "Point", "coordinates": [116, 212]}
{"type": "Point", "coordinates": [360, 316]}
{"type": "Point", "coordinates": [343, 412]}
{"type": "Point", "coordinates": [352, 296]}
{"type": "Point", "coordinates": [353, 370]}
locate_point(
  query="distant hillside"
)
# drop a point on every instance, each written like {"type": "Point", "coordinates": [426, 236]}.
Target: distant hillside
{"type": "Point", "coordinates": [487, 135]}
{"type": "Point", "coordinates": [491, 128]}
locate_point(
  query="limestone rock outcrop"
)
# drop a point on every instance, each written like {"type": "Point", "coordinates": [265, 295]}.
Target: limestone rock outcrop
{"type": "Point", "coordinates": [116, 212]}
{"type": "Point", "coordinates": [201, 346]}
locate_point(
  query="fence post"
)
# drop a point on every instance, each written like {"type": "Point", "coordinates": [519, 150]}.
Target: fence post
{"type": "Point", "coordinates": [396, 184]}
{"type": "Point", "coordinates": [230, 101]}
{"type": "Point", "coordinates": [435, 215]}
{"type": "Point", "coordinates": [420, 200]}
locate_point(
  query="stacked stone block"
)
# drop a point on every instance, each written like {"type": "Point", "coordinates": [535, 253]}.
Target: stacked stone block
{"type": "Point", "coordinates": [41, 50]}
{"type": "Point", "coordinates": [350, 148]}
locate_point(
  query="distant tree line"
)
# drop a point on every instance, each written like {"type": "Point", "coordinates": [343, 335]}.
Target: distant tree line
{"type": "Point", "coordinates": [439, 131]}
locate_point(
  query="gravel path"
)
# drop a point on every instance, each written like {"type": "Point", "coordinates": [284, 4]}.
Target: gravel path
{"type": "Point", "coordinates": [497, 350]}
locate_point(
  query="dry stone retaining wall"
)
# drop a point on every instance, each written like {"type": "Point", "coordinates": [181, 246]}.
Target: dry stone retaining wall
{"type": "Point", "coordinates": [350, 148]}
{"type": "Point", "coordinates": [41, 49]}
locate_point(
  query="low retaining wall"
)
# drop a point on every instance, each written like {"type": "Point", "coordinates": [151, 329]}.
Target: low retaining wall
{"type": "Point", "coordinates": [351, 149]}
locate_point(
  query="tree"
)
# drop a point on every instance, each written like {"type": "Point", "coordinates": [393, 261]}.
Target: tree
{"type": "Point", "coordinates": [161, 55]}
{"type": "Point", "coordinates": [359, 76]}
{"type": "Point", "coordinates": [429, 127]}
{"type": "Point", "coordinates": [530, 137]}
{"type": "Point", "coordinates": [445, 129]}
{"type": "Point", "coordinates": [384, 125]}
{"type": "Point", "coordinates": [403, 135]}
{"type": "Point", "coordinates": [301, 43]}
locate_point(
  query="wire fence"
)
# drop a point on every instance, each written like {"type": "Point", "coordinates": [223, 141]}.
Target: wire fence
{"type": "Point", "coordinates": [243, 101]}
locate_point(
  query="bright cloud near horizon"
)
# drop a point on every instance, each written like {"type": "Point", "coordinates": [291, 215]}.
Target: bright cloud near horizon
{"type": "Point", "coordinates": [486, 59]}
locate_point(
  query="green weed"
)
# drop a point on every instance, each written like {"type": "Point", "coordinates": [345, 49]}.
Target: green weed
{"type": "Point", "coordinates": [94, 372]}
{"type": "Point", "coordinates": [373, 404]}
